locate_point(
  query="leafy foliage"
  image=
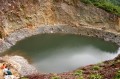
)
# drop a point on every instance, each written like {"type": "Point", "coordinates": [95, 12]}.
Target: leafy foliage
{"type": "Point", "coordinates": [81, 77]}
{"type": "Point", "coordinates": [96, 67]}
{"type": "Point", "coordinates": [55, 77]}
{"type": "Point", "coordinates": [112, 6]}
{"type": "Point", "coordinates": [96, 76]}
{"type": "Point", "coordinates": [116, 2]}
{"type": "Point", "coordinates": [117, 75]}
{"type": "Point", "coordinates": [79, 72]}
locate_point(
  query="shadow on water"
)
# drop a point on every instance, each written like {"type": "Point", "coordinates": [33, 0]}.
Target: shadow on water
{"type": "Point", "coordinates": [45, 48]}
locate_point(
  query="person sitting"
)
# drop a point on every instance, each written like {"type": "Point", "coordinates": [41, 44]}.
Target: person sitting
{"type": "Point", "coordinates": [5, 70]}
{"type": "Point", "coordinates": [9, 74]}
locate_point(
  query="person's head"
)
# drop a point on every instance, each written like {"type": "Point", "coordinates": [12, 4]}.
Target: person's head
{"type": "Point", "coordinates": [8, 68]}
{"type": "Point", "coordinates": [4, 64]}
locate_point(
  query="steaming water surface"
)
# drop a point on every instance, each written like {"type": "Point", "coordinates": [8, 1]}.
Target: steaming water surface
{"type": "Point", "coordinates": [61, 53]}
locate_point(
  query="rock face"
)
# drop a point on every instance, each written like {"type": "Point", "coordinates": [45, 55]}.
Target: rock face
{"type": "Point", "coordinates": [19, 64]}
{"type": "Point", "coordinates": [17, 14]}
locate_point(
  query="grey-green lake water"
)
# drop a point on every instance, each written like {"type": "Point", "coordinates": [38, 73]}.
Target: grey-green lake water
{"type": "Point", "coordinates": [56, 53]}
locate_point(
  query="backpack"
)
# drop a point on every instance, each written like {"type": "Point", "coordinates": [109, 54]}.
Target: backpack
{"type": "Point", "coordinates": [9, 72]}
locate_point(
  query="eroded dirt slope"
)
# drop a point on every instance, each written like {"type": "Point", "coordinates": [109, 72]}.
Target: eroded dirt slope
{"type": "Point", "coordinates": [17, 14]}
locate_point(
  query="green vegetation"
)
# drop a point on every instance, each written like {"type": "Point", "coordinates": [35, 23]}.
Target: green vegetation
{"type": "Point", "coordinates": [118, 61]}
{"type": "Point", "coordinates": [79, 72]}
{"type": "Point", "coordinates": [55, 77]}
{"type": "Point", "coordinates": [96, 67]}
{"type": "Point", "coordinates": [24, 78]}
{"type": "Point", "coordinates": [116, 2]}
{"type": "Point", "coordinates": [114, 62]}
{"type": "Point", "coordinates": [117, 75]}
{"type": "Point", "coordinates": [81, 77]}
{"type": "Point", "coordinates": [112, 6]}
{"type": "Point", "coordinates": [96, 76]}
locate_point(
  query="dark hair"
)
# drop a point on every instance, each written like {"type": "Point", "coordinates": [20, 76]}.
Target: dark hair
{"type": "Point", "coordinates": [6, 66]}
{"type": "Point", "coordinates": [3, 63]}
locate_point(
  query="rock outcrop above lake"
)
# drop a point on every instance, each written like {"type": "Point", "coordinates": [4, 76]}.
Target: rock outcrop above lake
{"type": "Point", "coordinates": [17, 14]}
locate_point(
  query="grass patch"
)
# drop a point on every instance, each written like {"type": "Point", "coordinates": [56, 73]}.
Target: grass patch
{"type": "Point", "coordinates": [96, 67]}
{"type": "Point", "coordinates": [95, 76]}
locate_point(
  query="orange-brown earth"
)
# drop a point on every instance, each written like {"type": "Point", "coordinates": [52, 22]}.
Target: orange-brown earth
{"type": "Point", "coordinates": [17, 14]}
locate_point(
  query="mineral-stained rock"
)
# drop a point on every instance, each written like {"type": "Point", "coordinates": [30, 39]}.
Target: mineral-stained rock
{"type": "Point", "coordinates": [17, 14]}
